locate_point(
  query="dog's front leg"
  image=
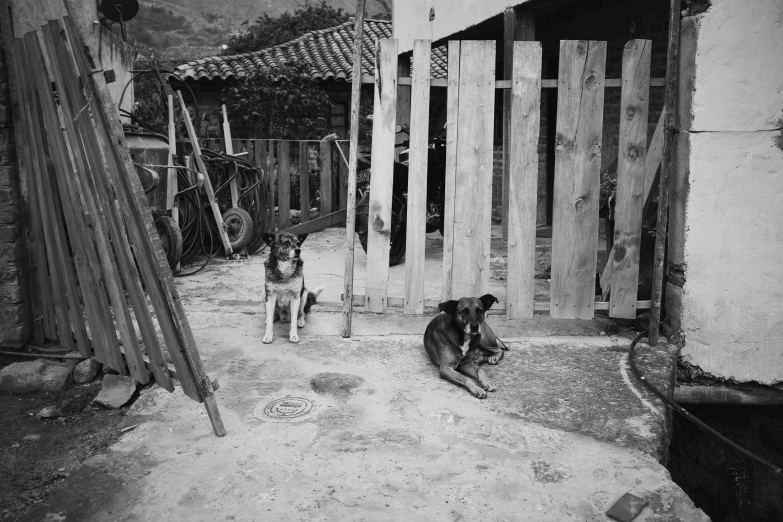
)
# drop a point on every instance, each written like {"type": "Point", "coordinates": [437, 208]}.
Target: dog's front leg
{"type": "Point", "coordinates": [451, 375]}
{"type": "Point", "coordinates": [293, 336]}
{"type": "Point", "coordinates": [472, 369]}
{"type": "Point", "coordinates": [271, 302]}
{"type": "Point", "coordinates": [302, 302]}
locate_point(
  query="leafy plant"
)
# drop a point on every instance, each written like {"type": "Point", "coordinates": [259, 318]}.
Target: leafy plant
{"type": "Point", "coordinates": [267, 31]}
{"type": "Point", "coordinates": [283, 104]}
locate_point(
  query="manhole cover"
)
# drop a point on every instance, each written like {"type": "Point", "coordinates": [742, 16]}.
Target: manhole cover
{"type": "Point", "coordinates": [287, 408]}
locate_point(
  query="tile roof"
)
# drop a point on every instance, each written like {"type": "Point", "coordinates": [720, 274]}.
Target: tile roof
{"type": "Point", "coordinates": [328, 52]}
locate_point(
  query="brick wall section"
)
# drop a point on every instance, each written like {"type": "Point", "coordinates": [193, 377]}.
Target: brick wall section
{"type": "Point", "coordinates": [14, 303]}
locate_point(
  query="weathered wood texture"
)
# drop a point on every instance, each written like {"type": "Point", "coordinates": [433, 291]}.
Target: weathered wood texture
{"type": "Point", "coordinates": [473, 187]}
{"type": "Point", "coordinates": [634, 102]}
{"type": "Point", "coordinates": [327, 184]}
{"type": "Point", "coordinates": [538, 306]}
{"type": "Point", "coordinates": [577, 166]}
{"type": "Point", "coordinates": [523, 183]}
{"type": "Point", "coordinates": [417, 178]}
{"type": "Point", "coordinates": [304, 182]}
{"type": "Point", "coordinates": [383, 140]}
{"type": "Point", "coordinates": [518, 25]}
{"type": "Point", "coordinates": [230, 151]}
{"type": "Point", "coordinates": [283, 185]}
{"type": "Point", "coordinates": [450, 183]}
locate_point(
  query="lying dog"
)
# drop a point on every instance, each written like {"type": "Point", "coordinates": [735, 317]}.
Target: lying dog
{"type": "Point", "coordinates": [459, 340]}
{"type": "Point", "coordinates": [286, 294]}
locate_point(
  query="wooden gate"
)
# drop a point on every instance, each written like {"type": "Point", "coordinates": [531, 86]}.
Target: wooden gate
{"type": "Point", "coordinates": [467, 221]}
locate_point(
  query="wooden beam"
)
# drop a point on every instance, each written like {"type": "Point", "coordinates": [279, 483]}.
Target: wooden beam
{"type": "Point", "coordinates": [580, 106]}
{"type": "Point", "coordinates": [350, 203]}
{"type": "Point", "coordinates": [230, 151]}
{"type": "Point", "coordinates": [610, 83]}
{"type": "Point", "coordinates": [319, 223]}
{"type": "Point", "coordinates": [629, 201]}
{"type": "Point", "coordinates": [283, 185]}
{"type": "Point", "coordinates": [741, 394]}
{"type": "Point", "coordinates": [304, 183]}
{"type": "Point", "coordinates": [518, 25]}
{"type": "Point", "coordinates": [416, 220]}
{"type": "Point", "coordinates": [327, 183]}
{"type": "Point", "coordinates": [522, 156]}
{"type": "Point", "coordinates": [538, 306]}
{"type": "Point", "coordinates": [383, 138]}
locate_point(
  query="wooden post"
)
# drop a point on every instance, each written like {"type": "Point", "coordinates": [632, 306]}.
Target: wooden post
{"type": "Point", "coordinates": [518, 25]}
{"type": "Point", "coordinates": [304, 182]}
{"type": "Point", "coordinates": [580, 102]}
{"type": "Point", "coordinates": [342, 172]}
{"type": "Point", "coordinates": [229, 146]}
{"type": "Point", "coordinates": [417, 178]}
{"type": "Point", "coordinates": [672, 65]}
{"type": "Point", "coordinates": [473, 187]}
{"type": "Point", "coordinates": [350, 218]}
{"type": "Point", "coordinates": [523, 185]}
{"type": "Point", "coordinates": [452, 117]}
{"type": "Point", "coordinates": [203, 169]}
{"type": "Point", "coordinates": [326, 177]}
{"type": "Point", "coordinates": [376, 280]}
{"type": "Point", "coordinates": [629, 201]}
{"type": "Point", "coordinates": [283, 185]}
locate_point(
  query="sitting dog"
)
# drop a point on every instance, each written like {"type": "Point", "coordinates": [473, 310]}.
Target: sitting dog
{"type": "Point", "coordinates": [459, 340]}
{"type": "Point", "coordinates": [286, 294]}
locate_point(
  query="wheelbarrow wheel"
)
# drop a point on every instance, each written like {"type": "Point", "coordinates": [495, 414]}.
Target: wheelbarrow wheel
{"type": "Point", "coordinates": [239, 227]}
{"type": "Point", "coordinates": [170, 238]}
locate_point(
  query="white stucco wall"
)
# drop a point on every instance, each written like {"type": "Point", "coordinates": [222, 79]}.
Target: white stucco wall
{"type": "Point", "coordinates": [732, 307]}
{"type": "Point", "coordinates": [411, 18]}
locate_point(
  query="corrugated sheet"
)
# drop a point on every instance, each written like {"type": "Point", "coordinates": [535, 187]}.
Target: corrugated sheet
{"type": "Point", "coordinates": [328, 52]}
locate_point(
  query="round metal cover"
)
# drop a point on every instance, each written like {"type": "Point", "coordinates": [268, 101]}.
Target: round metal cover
{"type": "Point", "coordinates": [288, 408]}
{"type": "Point", "coordinates": [119, 10]}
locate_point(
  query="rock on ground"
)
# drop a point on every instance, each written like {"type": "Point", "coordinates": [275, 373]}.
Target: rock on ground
{"type": "Point", "coordinates": [56, 378]}
{"type": "Point", "coordinates": [86, 371]}
{"type": "Point", "coordinates": [116, 390]}
{"type": "Point", "coordinates": [50, 412]}
{"type": "Point", "coordinates": [33, 376]}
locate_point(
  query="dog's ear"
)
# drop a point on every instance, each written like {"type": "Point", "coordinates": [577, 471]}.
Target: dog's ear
{"type": "Point", "coordinates": [302, 237]}
{"type": "Point", "coordinates": [487, 300]}
{"type": "Point", "coordinates": [269, 239]}
{"type": "Point", "coordinates": [449, 307]}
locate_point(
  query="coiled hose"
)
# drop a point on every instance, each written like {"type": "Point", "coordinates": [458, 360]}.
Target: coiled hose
{"type": "Point", "coordinates": [682, 411]}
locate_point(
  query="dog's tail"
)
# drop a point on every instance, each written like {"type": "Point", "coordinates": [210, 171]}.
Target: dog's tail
{"type": "Point", "coordinates": [312, 297]}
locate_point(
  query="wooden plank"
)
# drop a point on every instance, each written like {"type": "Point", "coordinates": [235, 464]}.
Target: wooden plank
{"type": "Point", "coordinates": [523, 183]}
{"type": "Point", "coordinates": [319, 223]}
{"type": "Point", "coordinates": [261, 154]}
{"type": "Point", "coordinates": [125, 272]}
{"type": "Point", "coordinates": [304, 182]}
{"type": "Point", "coordinates": [518, 25]}
{"type": "Point", "coordinates": [70, 201]}
{"type": "Point", "coordinates": [417, 178]}
{"type": "Point", "coordinates": [452, 117]}
{"type": "Point", "coordinates": [342, 170]}
{"type": "Point", "coordinates": [473, 188]}
{"type": "Point", "coordinates": [203, 169]}
{"type": "Point", "coordinates": [283, 186]}
{"type": "Point", "coordinates": [383, 138]}
{"type": "Point", "coordinates": [744, 394]}
{"type": "Point", "coordinates": [230, 151]}
{"type": "Point", "coordinates": [41, 290]}
{"type": "Point", "coordinates": [132, 200]}
{"type": "Point", "coordinates": [326, 177]}
{"type": "Point", "coordinates": [634, 102]}
{"type": "Point", "coordinates": [580, 105]}
{"type": "Point", "coordinates": [350, 216]}
{"type": "Point", "coordinates": [610, 83]}
{"type": "Point", "coordinates": [652, 162]}
{"type": "Point", "coordinates": [667, 164]}
{"type": "Point", "coordinates": [49, 266]}
{"type": "Point", "coordinates": [171, 180]}
{"type": "Point", "coordinates": [538, 306]}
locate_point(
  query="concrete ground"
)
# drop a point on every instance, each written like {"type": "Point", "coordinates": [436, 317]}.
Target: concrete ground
{"type": "Point", "coordinates": [568, 432]}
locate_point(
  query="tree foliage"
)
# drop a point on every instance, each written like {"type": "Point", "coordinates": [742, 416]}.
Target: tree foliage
{"type": "Point", "coordinates": [267, 31]}
{"type": "Point", "coordinates": [285, 103]}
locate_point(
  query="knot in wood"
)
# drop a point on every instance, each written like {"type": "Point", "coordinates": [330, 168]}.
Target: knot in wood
{"type": "Point", "coordinates": [590, 81]}
{"type": "Point", "coordinates": [630, 112]}
{"type": "Point", "coordinates": [580, 47]}
{"type": "Point", "coordinates": [579, 204]}
{"type": "Point", "coordinates": [633, 153]}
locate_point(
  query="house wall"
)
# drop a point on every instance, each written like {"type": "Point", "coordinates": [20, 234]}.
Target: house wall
{"type": "Point", "coordinates": [731, 304]}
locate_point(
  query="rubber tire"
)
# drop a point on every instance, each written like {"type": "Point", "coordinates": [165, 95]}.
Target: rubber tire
{"type": "Point", "coordinates": [239, 227]}
{"type": "Point", "coordinates": [170, 238]}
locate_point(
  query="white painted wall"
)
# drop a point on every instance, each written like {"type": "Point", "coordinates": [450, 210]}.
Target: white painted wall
{"type": "Point", "coordinates": [411, 18]}
{"type": "Point", "coordinates": [732, 308]}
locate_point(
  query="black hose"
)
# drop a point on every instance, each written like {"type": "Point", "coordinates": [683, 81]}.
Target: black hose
{"type": "Point", "coordinates": [679, 409]}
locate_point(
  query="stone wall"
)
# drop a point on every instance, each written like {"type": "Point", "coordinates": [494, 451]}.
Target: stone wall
{"type": "Point", "coordinates": [14, 303]}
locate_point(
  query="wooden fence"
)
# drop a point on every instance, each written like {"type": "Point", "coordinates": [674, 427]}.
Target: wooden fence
{"type": "Point", "coordinates": [471, 88]}
{"type": "Point", "coordinates": [289, 159]}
